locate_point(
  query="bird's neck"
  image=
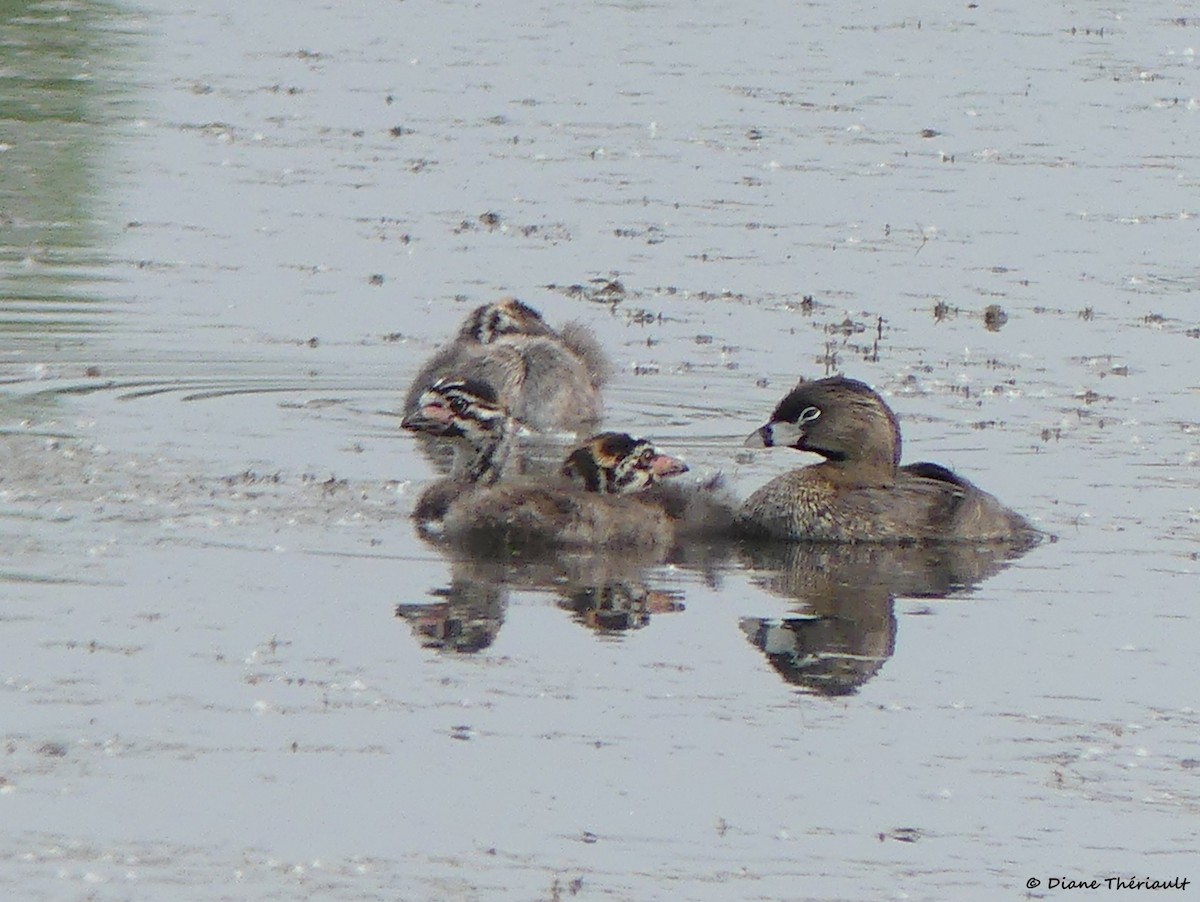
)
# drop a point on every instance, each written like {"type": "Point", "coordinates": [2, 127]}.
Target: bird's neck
{"type": "Point", "coordinates": [862, 470]}
{"type": "Point", "coordinates": [483, 465]}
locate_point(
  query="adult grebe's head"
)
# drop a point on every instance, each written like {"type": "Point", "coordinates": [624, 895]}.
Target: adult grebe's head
{"type": "Point", "coordinates": [841, 419]}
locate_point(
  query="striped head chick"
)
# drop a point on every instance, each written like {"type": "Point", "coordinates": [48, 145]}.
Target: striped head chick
{"type": "Point", "coordinates": [506, 318]}
{"type": "Point", "coordinates": [616, 463]}
{"type": "Point", "coordinates": [468, 411]}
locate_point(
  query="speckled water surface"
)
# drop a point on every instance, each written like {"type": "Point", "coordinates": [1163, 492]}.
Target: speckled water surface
{"type": "Point", "coordinates": [232, 232]}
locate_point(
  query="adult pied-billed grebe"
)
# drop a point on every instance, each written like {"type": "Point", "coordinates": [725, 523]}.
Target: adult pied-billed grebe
{"type": "Point", "coordinates": [592, 503]}
{"type": "Point", "coordinates": [859, 493]}
{"type": "Point", "coordinates": [547, 379]}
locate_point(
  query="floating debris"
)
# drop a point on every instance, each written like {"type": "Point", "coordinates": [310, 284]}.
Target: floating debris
{"type": "Point", "coordinates": [902, 834]}
{"type": "Point", "coordinates": [599, 291]}
{"type": "Point", "coordinates": [994, 317]}
{"type": "Point", "coordinates": [846, 327]}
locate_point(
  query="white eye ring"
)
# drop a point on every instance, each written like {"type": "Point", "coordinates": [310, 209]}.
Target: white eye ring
{"type": "Point", "coordinates": [808, 415]}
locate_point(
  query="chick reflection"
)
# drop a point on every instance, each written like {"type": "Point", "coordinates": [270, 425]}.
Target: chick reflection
{"type": "Point", "coordinates": [618, 607]}
{"type": "Point", "coordinates": [466, 620]}
{"type": "Point", "coordinates": [604, 593]}
{"type": "Point", "coordinates": [845, 629]}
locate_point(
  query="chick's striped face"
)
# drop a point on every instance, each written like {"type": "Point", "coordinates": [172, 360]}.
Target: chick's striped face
{"type": "Point", "coordinates": [506, 317]}
{"type": "Point", "coordinates": [457, 408]}
{"type": "Point", "coordinates": [615, 463]}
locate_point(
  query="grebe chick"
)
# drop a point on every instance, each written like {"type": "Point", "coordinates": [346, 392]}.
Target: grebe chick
{"type": "Point", "coordinates": [481, 433]}
{"type": "Point", "coordinates": [546, 379]}
{"type": "Point", "coordinates": [596, 504]}
{"type": "Point", "coordinates": [592, 503]}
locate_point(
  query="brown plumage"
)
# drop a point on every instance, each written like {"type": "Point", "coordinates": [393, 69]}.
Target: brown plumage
{"type": "Point", "coordinates": [859, 493]}
{"type": "Point", "coordinates": [480, 434]}
{"type": "Point", "coordinates": [549, 380]}
{"type": "Point", "coordinates": [592, 503]}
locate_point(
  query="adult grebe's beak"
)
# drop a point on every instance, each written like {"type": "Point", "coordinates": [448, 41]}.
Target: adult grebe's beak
{"type": "Point", "coordinates": [772, 434]}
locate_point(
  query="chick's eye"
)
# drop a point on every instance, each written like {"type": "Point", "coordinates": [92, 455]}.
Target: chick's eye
{"type": "Point", "coordinates": [646, 457]}
{"type": "Point", "coordinates": [458, 405]}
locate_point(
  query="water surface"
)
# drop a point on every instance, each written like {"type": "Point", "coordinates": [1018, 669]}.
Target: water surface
{"type": "Point", "coordinates": [232, 234]}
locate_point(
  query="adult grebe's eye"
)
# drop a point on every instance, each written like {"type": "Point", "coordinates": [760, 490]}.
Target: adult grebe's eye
{"type": "Point", "coordinates": [808, 415]}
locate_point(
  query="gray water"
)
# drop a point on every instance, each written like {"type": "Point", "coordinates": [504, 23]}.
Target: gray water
{"type": "Point", "coordinates": [232, 233]}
